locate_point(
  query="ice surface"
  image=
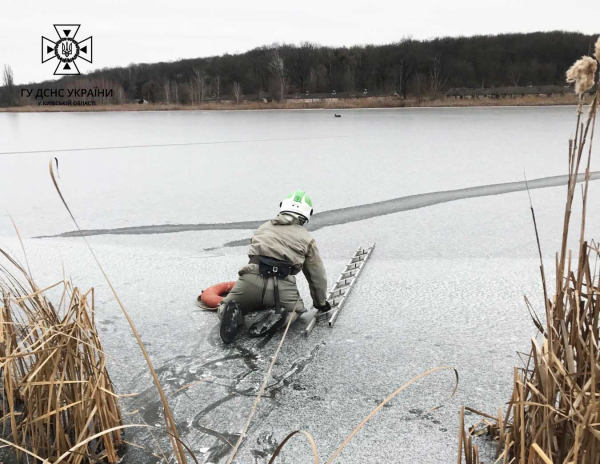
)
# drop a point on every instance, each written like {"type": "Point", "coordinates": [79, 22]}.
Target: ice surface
{"type": "Point", "coordinates": [385, 154]}
{"type": "Point", "coordinates": [444, 286]}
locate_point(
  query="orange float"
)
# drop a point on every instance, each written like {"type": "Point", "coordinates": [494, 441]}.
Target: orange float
{"type": "Point", "coordinates": [212, 296]}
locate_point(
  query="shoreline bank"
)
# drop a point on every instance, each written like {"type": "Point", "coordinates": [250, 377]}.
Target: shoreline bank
{"type": "Point", "coordinates": [341, 104]}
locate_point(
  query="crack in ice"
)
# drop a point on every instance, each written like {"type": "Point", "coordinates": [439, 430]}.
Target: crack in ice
{"type": "Point", "coordinates": [349, 214]}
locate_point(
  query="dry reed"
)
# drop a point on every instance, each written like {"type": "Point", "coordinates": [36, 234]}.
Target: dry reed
{"type": "Point", "coordinates": [582, 74]}
{"type": "Point", "coordinates": [178, 446]}
{"type": "Point", "coordinates": [59, 403]}
{"type": "Point", "coordinates": [553, 415]}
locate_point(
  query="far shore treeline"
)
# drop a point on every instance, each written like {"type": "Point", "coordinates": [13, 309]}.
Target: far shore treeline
{"type": "Point", "coordinates": [408, 68]}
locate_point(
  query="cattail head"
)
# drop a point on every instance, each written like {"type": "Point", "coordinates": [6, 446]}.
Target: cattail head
{"type": "Point", "coordinates": [582, 73]}
{"type": "Point", "coordinates": [597, 51]}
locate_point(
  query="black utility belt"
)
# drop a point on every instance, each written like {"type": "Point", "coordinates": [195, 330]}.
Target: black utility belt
{"type": "Point", "coordinates": [271, 267]}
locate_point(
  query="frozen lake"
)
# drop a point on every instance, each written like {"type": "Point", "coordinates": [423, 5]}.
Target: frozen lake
{"type": "Point", "coordinates": [445, 284]}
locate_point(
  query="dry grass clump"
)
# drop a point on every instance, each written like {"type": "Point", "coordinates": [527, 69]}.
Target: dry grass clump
{"type": "Point", "coordinates": [525, 100]}
{"type": "Point", "coordinates": [59, 404]}
{"type": "Point", "coordinates": [553, 415]}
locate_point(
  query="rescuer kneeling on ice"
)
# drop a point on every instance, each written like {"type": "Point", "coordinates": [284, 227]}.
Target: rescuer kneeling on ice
{"type": "Point", "coordinates": [279, 250]}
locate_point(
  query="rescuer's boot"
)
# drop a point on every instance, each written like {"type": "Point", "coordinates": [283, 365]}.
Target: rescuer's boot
{"type": "Point", "coordinates": [231, 320]}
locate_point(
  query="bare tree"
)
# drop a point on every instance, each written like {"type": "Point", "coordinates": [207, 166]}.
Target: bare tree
{"type": "Point", "coordinates": [8, 80]}
{"type": "Point", "coordinates": [514, 75]}
{"type": "Point", "coordinates": [318, 77]}
{"type": "Point", "coordinates": [176, 92]}
{"type": "Point", "coordinates": [407, 65]}
{"type": "Point", "coordinates": [348, 84]}
{"type": "Point", "coordinates": [403, 76]}
{"type": "Point", "coordinates": [237, 92]}
{"type": "Point", "coordinates": [201, 76]}
{"type": "Point", "coordinates": [218, 87]}
{"type": "Point", "coordinates": [167, 90]}
{"type": "Point", "coordinates": [277, 68]}
{"type": "Point", "coordinates": [301, 60]}
{"type": "Point", "coordinates": [119, 95]}
{"type": "Point", "coordinates": [330, 60]}
{"type": "Point", "coordinates": [418, 84]}
{"type": "Point", "coordinates": [150, 91]}
{"type": "Point", "coordinates": [436, 80]}
{"type": "Point", "coordinates": [190, 89]}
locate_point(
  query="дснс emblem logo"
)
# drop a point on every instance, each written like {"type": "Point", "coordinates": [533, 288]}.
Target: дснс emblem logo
{"type": "Point", "coordinates": [67, 50]}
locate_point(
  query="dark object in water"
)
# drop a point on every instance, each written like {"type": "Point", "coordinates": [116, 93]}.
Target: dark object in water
{"type": "Point", "coordinates": [337, 115]}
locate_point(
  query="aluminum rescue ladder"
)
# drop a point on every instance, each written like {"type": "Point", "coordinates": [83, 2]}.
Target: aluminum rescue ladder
{"type": "Point", "coordinates": [338, 295]}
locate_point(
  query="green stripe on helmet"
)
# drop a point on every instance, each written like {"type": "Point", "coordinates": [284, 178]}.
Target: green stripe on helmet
{"type": "Point", "coordinates": [298, 195]}
{"type": "Point", "coordinates": [308, 200]}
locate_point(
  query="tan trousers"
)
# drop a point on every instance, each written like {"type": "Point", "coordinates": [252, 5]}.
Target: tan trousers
{"type": "Point", "coordinates": [253, 292]}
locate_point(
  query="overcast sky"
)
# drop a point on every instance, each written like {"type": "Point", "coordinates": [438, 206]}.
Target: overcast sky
{"type": "Point", "coordinates": [134, 31]}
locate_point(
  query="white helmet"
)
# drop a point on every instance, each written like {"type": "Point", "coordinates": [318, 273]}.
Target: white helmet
{"type": "Point", "coordinates": [297, 202]}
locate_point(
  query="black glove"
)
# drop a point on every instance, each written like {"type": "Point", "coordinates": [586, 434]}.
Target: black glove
{"type": "Point", "coordinates": [326, 307]}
